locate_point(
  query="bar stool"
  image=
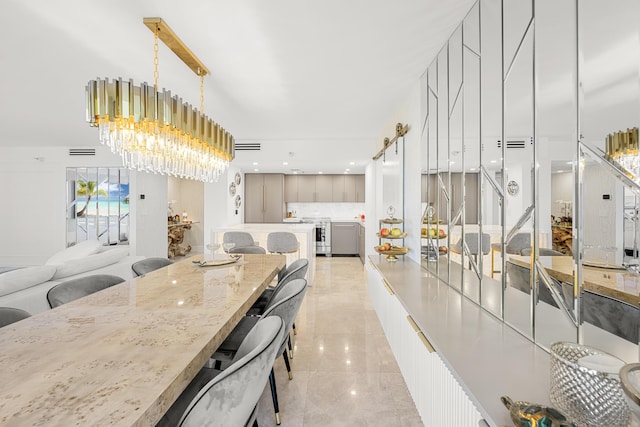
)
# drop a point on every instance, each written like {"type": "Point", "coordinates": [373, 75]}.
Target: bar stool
{"type": "Point", "coordinates": [238, 238]}
{"type": "Point", "coordinates": [283, 242]}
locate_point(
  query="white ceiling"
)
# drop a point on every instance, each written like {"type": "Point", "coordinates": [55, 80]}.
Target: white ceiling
{"type": "Point", "coordinates": [317, 79]}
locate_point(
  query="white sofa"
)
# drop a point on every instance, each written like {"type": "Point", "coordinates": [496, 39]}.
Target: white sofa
{"type": "Point", "coordinates": [26, 288]}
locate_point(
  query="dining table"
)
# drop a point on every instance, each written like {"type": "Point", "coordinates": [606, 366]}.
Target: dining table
{"type": "Point", "coordinates": [123, 355]}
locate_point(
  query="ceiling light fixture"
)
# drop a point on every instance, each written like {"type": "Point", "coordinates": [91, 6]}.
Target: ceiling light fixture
{"type": "Point", "coordinates": [154, 131]}
{"type": "Point", "coordinates": [623, 148]}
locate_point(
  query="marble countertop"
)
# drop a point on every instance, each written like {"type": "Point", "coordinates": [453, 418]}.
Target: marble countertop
{"type": "Point", "coordinates": [488, 358]}
{"type": "Point", "coordinates": [618, 284]}
{"type": "Point", "coordinates": [123, 355]}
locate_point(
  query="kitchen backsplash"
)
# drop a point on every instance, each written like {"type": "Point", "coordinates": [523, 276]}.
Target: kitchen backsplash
{"type": "Point", "coordinates": [331, 210]}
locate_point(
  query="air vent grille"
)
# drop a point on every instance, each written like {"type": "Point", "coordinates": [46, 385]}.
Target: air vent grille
{"type": "Point", "coordinates": [247, 146]}
{"type": "Point", "coordinates": [513, 144]}
{"type": "Point", "coordinates": [82, 151]}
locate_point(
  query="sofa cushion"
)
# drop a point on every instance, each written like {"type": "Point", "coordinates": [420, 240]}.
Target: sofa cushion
{"type": "Point", "coordinates": [77, 251]}
{"type": "Point", "coordinates": [23, 278]}
{"type": "Point", "coordinates": [91, 262]}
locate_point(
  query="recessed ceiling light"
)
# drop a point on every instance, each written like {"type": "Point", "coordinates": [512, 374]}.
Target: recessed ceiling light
{"type": "Point", "coordinates": [569, 163]}
{"type": "Point", "coordinates": [472, 169]}
{"type": "Point", "coordinates": [345, 172]}
{"type": "Point", "coordinates": [256, 170]}
{"type": "Point", "coordinates": [348, 170]}
{"type": "Point", "coordinates": [255, 163]}
{"type": "Point", "coordinates": [494, 161]}
{"type": "Point", "coordinates": [352, 163]}
{"type": "Point", "coordinates": [295, 172]}
{"type": "Point", "coordinates": [285, 163]}
{"type": "Point", "coordinates": [320, 172]}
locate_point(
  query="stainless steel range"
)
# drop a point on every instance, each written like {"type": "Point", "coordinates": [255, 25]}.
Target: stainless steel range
{"type": "Point", "coordinates": [322, 234]}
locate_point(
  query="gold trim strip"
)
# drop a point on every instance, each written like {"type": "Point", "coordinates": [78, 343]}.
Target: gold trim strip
{"type": "Point", "coordinates": [173, 42]}
{"type": "Point", "coordinates": [413, 323]}
{"type": "Point", "coordinates": [426, 342]}
{"type": "Point", "coordinates": [386, 285]}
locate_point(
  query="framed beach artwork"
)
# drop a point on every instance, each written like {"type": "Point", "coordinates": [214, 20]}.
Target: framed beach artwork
{"type": "Point", "coordinates": [97, 205]}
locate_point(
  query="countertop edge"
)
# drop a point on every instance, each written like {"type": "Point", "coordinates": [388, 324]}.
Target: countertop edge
{"type": "Point", "coordinates": [487, 357]}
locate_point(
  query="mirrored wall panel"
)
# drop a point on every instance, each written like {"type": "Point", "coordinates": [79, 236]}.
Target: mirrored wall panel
{"type": "Point", "coordinates": [530, 181]}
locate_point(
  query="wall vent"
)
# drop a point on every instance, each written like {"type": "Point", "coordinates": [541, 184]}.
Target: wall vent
{"type": "Point", "coordinates": [513, 144]}
{"type": "Point", "coordinates": [247, 146]}
{"type": "Point", "coordinates": [82, 151]}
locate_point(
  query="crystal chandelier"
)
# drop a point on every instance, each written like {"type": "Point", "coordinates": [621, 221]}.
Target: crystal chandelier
{"type": "Point", "coordinates": [622, 148]}
{"type": "Point", "coordinates": [154, 131]}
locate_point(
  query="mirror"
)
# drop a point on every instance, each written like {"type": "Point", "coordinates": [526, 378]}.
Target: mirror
{"type": "Point", "coordinates": [610, 95]}
{"type": "Point", "coordinates": [472, 276]}
{"type": "Point", "coordinates": [556, 100]}
{"type": "Point", "coordinates": [443, 172]}
{"type": "Point", "coordinates": [518, 153]}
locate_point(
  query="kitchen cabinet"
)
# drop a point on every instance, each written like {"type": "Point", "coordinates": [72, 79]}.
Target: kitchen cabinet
{"type": "Point", "coordinates": [306, 188]}
{"type": "Point", "coordinates": [290, 188]}
{"type": "Point", "coordinates": [264, 198]}
{"type": "Point", "coordinates": [324, 188]}
{"type": "Point", "coordinates": [348, 188]}
{"type": "Point", "coordinates": [361, 242]}
{"type": "Point", "coordinates": [455, 193]}
{"type": "Point", "coordinates": [344, 238]}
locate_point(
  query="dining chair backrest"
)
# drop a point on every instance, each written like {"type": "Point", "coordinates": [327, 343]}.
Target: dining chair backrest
{"type": "Point", "coordinates": [77, 288]}
{"type": "Point", "coordinates": [282, 242]}
{"type": "Point", "coordinates": [247, 250]}
{"type": "Point", "coordinates": [9, 315]}
{"type": "Point", "coordinates": [296, 270]}
{"type": "Point", "coordinates": [518, 242]}
{"type": "Point", "coordinates": [240, 238]}
{"type": "Point", "coordinates": [287, 304]}
{"type": "Point", "coordinates": [148, 265]}
{"type": "Point", "coordinates": [231, 397]}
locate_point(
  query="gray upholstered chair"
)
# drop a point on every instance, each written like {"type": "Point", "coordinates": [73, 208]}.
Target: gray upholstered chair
{"type": "Point", "coordinates": [77, 288]}
{"type": "Point", "coordinates": [472, 240]}
{"type": "Point", "coordinates": [9, 315]}
{"type": "Point", "coordinates": [519, 278]}
{"type": "Point", "coordinates": [230, 397]}
{"type": "Point", "coordinates": [247, 250]}
{"type": "Point", "coordinates": [238, 238]}
{"type": "Point", "coordinates": [518, 243]}
{"type": "Point", "coordinates": [147, 265]}
{"type": "Point", "coordinates": [295, 270]}
{"type": "Point", "coordinates": [282, 242]}
{"type": "Point", "coordinates": [284, 305]}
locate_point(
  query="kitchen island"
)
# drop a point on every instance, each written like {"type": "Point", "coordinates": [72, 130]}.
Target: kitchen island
{"type": "Point", "coordinates": [305, 233]}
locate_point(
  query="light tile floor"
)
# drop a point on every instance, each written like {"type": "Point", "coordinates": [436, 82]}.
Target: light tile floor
{"type": "Point", "coordinates": [344, 373]}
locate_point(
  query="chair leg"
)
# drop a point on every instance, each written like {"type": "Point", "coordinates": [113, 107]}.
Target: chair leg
{"type": "Point", "coordinates": [294, 329]}
{"type": "Point", "coordinates": [290, 347]}
{"type": "Point", "coordinates": [255, 423]}
{"type": "Point", "coordinates": [286, 363]}
{"type": "Point", "coordinates": [274, 396]}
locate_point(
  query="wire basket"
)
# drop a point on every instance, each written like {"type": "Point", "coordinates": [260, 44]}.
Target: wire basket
{"type": "Point", "coordinates": [592, 398]}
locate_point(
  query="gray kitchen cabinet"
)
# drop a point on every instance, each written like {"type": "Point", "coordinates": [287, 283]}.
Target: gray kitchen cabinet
{"type": "Point", "coordinates": [361, 242]}
{"type": "Point", "coordinates": [290, 188]}
{"type": "Point", "coordinates": [360, 188]}
{"type": "Point", "coordinates": [344, 238]}
{"type": "Point", "coordinates": [348, 188]}
{"type": "Point", "coordinates": [455, 193]}
{"type": "Point", "coordinates": [264, 198]}
{"type": "Point", "coordinates": [324, 188]}
{"type": "Point", "coordinates": [306, 188]}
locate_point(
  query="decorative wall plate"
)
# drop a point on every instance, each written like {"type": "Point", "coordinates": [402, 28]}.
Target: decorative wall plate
{"type": "Point", "coordinates": [232, 189]}
{"type": "Point", "coordinates": [238, 201]}
{"type": "Point", "coordinates": [238, 178]}
{"type": "Point", "coordinates": [513, 188]}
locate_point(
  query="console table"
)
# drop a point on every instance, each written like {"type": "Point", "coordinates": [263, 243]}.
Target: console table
{"type": "Point", "coordinates": [175, 234]}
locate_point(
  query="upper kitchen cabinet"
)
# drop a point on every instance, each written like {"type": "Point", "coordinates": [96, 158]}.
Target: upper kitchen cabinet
{"type": "Point", "coordinates": [324, 188]}
{"type": "Point", "coordinates": [348, 188]}
{"type": "Point", "coordinates": [264, 198]}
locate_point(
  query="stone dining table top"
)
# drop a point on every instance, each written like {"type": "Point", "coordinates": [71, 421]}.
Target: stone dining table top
{"type": "Point", "coordinates": [123, 355]}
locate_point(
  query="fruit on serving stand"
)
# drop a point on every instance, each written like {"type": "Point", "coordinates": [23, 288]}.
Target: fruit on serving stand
{"type": "Point", "coordinates": [396, 232]}
{"type": "Point", "coordinates": [384, 231]}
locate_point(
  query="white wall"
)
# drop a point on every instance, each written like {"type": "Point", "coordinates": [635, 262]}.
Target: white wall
{"type": "Point", "coordinates": [33, 198]}
{"type": "Point", "coordinates": [149, 224]}
{"type": "Point", "coordinates": [219, 205]}
{"type": "Point", "coordinates": [561, 189]}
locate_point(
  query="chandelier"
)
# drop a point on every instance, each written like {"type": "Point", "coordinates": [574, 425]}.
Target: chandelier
{"type": "Point", "coordinates": [154, 131]}
{"type": "Point", "coordinates": [622, 148]}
